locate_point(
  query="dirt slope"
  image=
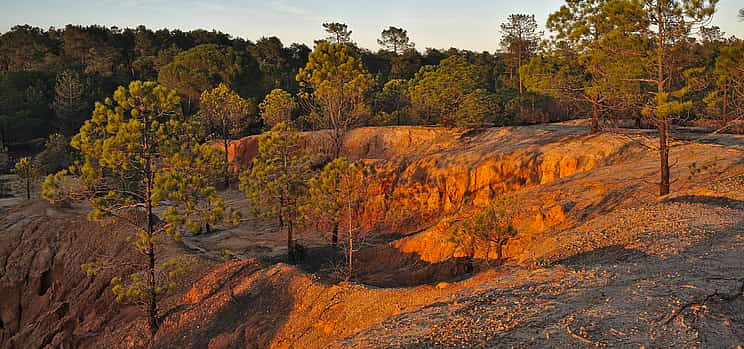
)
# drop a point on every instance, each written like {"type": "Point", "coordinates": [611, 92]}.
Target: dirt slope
{"type": "Point", "coordinates": [599, 259]}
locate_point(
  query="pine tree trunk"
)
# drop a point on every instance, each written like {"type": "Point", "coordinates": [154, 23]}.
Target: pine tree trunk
{"type": "Point", "coordinates": [351, 246]}
{"type": "Point", "coordinates": [519, 73]}
{"type": "Point", "coordinates": [337, 135]}
{"type": "Point", "coordinates": [351, 257]}
{"type": "Point", "coordinates": [724, 111]}
{"type": "Point", "coordinates": [662, 122]}
{"type": "Point", "coordinates": [151, 281]}
{"type": "Point", "coordinates": [153, 306]}
{"type": "Point", "coordinates": [290, 243]}
{"type": "Point", "coordinates": [595, 118]}
{"type": "Point", "coordinates": [226, 170]}
{"type": "Point", "coordinates": [334, 235]}
{"type": "Point", "coordinates": [664, 185]}
{"type": "Point", "coordinates": [499, 249]}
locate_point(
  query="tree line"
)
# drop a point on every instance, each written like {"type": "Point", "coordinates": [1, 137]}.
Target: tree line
{"type": "Point", "coordinates": [50, 78]}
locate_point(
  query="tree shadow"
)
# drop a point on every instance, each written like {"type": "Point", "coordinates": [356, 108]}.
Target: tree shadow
{"type": "Point", "coordinates": [387, 267]}
{"type": "Point", "coordinates": [605, 255]}
{"type": "Point", "coordinates": [609, 202]}
{"type": "Point", "coordinates": [717, 201]}
{"type": "Point", "coordinates": [241, 308]}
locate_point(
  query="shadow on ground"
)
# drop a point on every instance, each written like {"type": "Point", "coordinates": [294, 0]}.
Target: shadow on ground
{"type": "Point", "coordinates": [385, 267]}
{"type": "Point", "coordinates": [605, 255]}
{"type": "Point", "coordinates": [718, 201]}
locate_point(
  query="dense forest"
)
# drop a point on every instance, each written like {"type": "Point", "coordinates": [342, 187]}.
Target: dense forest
{"type": "Point", "coordinates": [608, 60]}
{"type": "Point", "coordinates": [50, 78]}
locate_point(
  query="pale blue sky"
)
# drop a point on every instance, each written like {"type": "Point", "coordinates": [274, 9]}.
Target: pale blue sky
{"type": "Point", "coordinates": [465, 24]}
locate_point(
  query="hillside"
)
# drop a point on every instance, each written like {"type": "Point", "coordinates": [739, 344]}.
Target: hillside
{"type": "Point", "coordinates": [599, 259]}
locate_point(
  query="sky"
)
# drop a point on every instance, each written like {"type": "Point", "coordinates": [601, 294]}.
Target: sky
{"type": "Point", "coordinates": [465, 24]}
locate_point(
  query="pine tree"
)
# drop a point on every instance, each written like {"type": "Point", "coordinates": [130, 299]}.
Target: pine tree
{"type": "Point", "coordinates": [69, 102]}
{"type": "Point", "coordinates": [278, 106]}
{"type": "Point", "coordinates": [395, 40]}
{"type": "Point", "coordinates": [139, 155]}
{"type": "Point", "coordinates": [276, 181]}
{"type": "Point", "coordinates": [339, 33]}
{"type": "Point", "coordinates": [519, 40]}
{"type": "Point", "coordinates": [491, 227]}
{"type": "Point", "coordinates": [28, 171]}
{"type": "Point", "coordinates": [669, 21]}
{"type": "Point", "coordinates": [339, 197]}
{"type": "Point", "coordinates": [223, 113]}
{"type": "Point", "coordinates": [335, 85]}
{"type": "Point", "coordinates": [579, 65]}
{"type": "Point", "coordinates": [727, 99]}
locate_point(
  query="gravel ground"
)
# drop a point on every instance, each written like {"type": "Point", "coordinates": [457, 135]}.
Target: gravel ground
{"type": "Point", "coordinates": [625, 279]}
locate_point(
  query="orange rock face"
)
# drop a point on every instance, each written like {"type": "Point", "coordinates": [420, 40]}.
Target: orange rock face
{"type": "Point", "coordinates": [434, 172]}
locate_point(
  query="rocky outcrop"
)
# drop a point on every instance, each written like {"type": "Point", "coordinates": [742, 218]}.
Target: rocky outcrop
{"type": "Point", "coordinates": [45, 299]}
{"type": "Point", "coordinates": [360, 143]}
{"type": "Point", "coordinates": [435, 172]}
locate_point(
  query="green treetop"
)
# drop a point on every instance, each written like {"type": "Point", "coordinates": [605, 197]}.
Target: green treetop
{"type": "Point", "coordinates": [338, 33]}
{"type": "Point", "coordinates": [206, 66]}
{"type": "Point", "coordinates": [278, 106]}
{"type": "Point", "coordinates": [438, 92]}
{"type": "Point", "coordinates": [336, 85]}
{"type": "Point", "coordinates": [223, 113]}
{"type": "Point", "coordinates": [395, 40]}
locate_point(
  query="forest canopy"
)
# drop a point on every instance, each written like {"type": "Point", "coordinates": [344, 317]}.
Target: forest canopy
{"type": "Point", "coordinates": [49, 78]}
